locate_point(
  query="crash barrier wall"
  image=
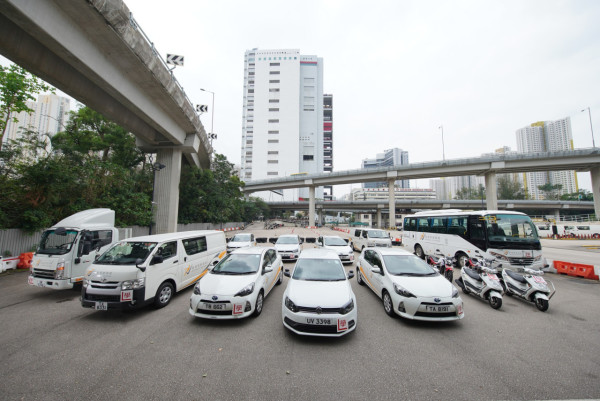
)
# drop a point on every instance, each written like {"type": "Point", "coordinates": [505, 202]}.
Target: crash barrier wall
{"type": "Point", "coordinates": [577, 269]}
{"type": "Point", "coordinates": [14, 242]}
{"type": "Point", "coordinates": [573, 236]}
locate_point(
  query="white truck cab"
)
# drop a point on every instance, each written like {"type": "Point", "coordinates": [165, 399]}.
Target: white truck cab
{"type": "Point", "coordinates": [68, 248]}
{"type": "Point", "coordinates": [150, 269]}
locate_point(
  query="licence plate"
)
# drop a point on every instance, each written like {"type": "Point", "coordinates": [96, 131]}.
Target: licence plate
{"type": "Point", "coordinates": [436, 309]}
{"type": "Point", "coordinates": [101, 305]}
{"type": "Point", "coordinates": [318, 321]}
{"type": "Point", "coordinates": [213, 306]}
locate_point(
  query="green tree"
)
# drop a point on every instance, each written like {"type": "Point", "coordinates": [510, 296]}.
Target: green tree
{"type": "Point", "coordinates": [551, 192]}
{"type": "Point", "coordinates": [581, 195]}
{"type": "Point", "coordinates": [17, 86]}
{"type": "Point", "coordinates": [467, 193]}
{"type": "Point", "coordinates": [510, 189]}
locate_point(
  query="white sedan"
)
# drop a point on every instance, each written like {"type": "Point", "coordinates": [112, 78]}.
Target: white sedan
{"type": "Point", "coordinates": [319, 300]}
{"type": "Point", "coordinates": [338, 245]}
{"type": "Point", "coordinates": [408, 286]}
{"type": "Point", "coordinates": [236, 287]}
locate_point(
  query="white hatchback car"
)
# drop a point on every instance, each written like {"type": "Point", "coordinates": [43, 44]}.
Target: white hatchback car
{"type": "Point", "coordinates": [338, 245]}
{"type": "Point", "coordinates": [289, 246]}
{"type": "Point", "coordinates": [408, 286]}
{"type": "Point", "coordinates": [240, 240]}
{"type": "Point", "coordinates": [319, 300]}
{"type": "Point", "coordinates": [237, 285]}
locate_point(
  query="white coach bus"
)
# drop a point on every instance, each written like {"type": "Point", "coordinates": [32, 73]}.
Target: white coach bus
{"type": "Point", "coordinates": [509, 237]}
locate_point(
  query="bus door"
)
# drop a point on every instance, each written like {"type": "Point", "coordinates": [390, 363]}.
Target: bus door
{"type": "Point", "coordinates": [476, 234]}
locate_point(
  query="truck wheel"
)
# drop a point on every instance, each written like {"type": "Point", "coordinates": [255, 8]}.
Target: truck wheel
{"type": "Point", "coordinates": [163, 295]}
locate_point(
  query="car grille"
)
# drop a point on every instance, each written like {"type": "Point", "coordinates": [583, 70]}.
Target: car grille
{"type": "Point", "coordinates": [108, 285]}
{"type": "Point", "coordinates": [317, 329]}
{"type": "Point", "coordinates": [102, 298]}
{"type": "Point", "coordinates": [521, 261]}
{"type": "Point", "coordinates": [42, 273]}
{"type": "Point", "coordinates": [314, 310]}
{"type": "Point", "coordinates": [210, 301]}
{"type": "Point", "coordinates": [214, 312]}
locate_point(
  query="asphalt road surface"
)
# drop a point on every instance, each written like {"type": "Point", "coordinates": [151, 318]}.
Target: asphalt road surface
{"type": "Point", "coordinates": [53, 349]}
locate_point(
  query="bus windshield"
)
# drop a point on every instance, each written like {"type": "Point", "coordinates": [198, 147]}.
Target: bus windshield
{"type": "Point", "coordinates": [509, 230]}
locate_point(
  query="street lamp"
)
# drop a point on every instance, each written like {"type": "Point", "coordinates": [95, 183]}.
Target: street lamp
{"type": "Point", "coordinates": [591, 128]}
{"type": "Point", "coordinates": [212, 117]}
{"type": "Point", "coordinates": [443, 150]}
{"type": "Point", "coordinates": [155, 167]}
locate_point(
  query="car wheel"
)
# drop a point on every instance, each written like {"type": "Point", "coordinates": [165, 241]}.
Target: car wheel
{"type": "Point", "coordinates": [163, 295]}
{"type": "Point", "coordinates": [258, 306]}
{"type": "Point", "coordinates": [542, 304]}
{"type": "Point", "coordinates": [388, 306]}
{"type": "Point", "coordinates": [280, 279]}
{"type": "Point", "coordinates": [495, 302]}
{"type": "Point", "coordinates": [359, 278]}
{"type": "Point", "coordinates": [419, 251]}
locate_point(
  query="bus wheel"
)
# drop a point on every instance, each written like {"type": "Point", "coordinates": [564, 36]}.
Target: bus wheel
{"type": "Point", "coordinates": [461, 260]}
{"type": "Point", "coordinates": [419, 251]}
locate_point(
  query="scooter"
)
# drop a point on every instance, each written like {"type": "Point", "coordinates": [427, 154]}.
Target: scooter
{"type": "Point", "coordinates": [442, 263]}
{"type": "Point", "coordinates": [477, 277]}
{"type": "Point", "coordinates": [529, 286]}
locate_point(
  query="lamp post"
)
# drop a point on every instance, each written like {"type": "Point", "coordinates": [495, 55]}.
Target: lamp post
{"type": "Point", "coordinates": [155, 167]}
{"type": "Point", "coordinates": [443, 150]}
{"type": "Point", "coordinates": [591, 128]}
{"type": "Point", "coordinates": [212, 117]}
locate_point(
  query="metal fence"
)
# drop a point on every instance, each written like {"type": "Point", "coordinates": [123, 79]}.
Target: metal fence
{"type": "Point", "coordinates": [15, 241]}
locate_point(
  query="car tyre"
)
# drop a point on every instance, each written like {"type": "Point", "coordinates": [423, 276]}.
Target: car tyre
{"type": "Point", "coordinates": [359, 278]}
{"type": "Point", "coordinates": [258, 306]}
{"type": "Point", "coordinates": [280, 278]}
{"type": "Point", "coordinates": [163, 295]}
{"type": "Point", "coordinates": [388, 306]}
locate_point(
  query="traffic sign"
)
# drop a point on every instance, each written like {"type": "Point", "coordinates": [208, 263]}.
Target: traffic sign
{"type": "Point", "coordinates": [212, 136]}
{"type": "Point", "coordinates": [201, 108]}
{"type": "Point", "coordinates": [174, 59]}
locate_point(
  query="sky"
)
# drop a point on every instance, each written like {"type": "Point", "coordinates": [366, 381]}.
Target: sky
{"type": "Point", "coordinates": [398, 70]}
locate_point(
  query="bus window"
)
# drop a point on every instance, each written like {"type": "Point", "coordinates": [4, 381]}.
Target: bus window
{"type": "Point", "coordinates": [457, 225]}
{"type": "Point", "coordinates": [410, 224]}
{"type": "Point", "coordinates": [438, 224]}
{"type": "Point", "coordinates": [422, 225]}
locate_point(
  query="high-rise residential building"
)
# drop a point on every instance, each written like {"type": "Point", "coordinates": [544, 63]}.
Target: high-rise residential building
{"type": "Point", "coordinates": [389, 157]}
{"type": "Point", "coordinates": [547, 136]}
{"type": "Point", "coordinates": [448, 187]}
{"type": "Point", "coordinates": [328, 142]}
{"type": "Point", "coordinates": [283, 119]}
{"type": "Point", "coordinates": [50, 115]}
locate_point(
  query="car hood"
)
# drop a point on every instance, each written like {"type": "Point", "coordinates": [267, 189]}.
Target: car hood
{"type": "Point", "coordinates": [239, 244]}
{"type": "Point", "coordinates": [339, 249]}
{"type": "Point", "coordinates": [287, 247]}
{"type": "Point", "coordinates": [429, 286]}
{"type": "Point", "coordinates": [326, 294]}
{"type": "Point", "coordinates": [113, 273]}
{"type": "Point", "coordinates": [222, 284]}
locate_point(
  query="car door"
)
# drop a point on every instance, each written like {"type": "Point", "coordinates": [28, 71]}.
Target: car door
{"type": "Point", "coordinates": [367, 265]}
{"type": "Point", "coordinates": [269, 262]}
{"type": "Point", "coordinates": [163, 269]}
{"type": "Point", "coordinates": [376, 278]}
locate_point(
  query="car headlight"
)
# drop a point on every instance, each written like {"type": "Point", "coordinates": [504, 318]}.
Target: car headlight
{"type": "Point", "coordinates": [290, 305]}
{"type": "Point", "coordinates": [85, 282]}
{"type": "Point", "coordinates": [197, 289]}
{"type": "Point", "coordinates": [247, 290]}
{"type": "Point", "coordinates": [403, 291]}
{"type": "Point", "coordinates": [59, 273]}
{"type": "Point", "coordinates": [347, 308]}
{"type": "Point", "coordinates": [454, 292]}
{"type": "Point", "coordinates": [499, 256]}
{"type": "Point", "coordinates": [133, 284]}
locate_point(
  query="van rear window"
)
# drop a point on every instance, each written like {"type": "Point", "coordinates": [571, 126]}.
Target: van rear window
{"type": "Point", "coordinates": [194, 245]}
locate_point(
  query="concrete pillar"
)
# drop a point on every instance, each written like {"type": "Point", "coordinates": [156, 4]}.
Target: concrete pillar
{"type": "Point", "coordinates": [166, 192]}
{"type": "Point", "coordinates": [557, 216]}
{"type": "Point", "coordinates": [491, 192]}
{"type": "Point", "coordinates": [595, 173]}
{"type": "Point", "coordinates": [379, 223]}
{"type": "Point", "coordinates": [321, 217]}
{"type": "Point", "coordinates": [311, 206]}
{"type": "Point", "coordinates": [392, 202]}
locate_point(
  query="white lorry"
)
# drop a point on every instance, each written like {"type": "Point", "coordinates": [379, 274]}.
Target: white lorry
{"type": "Point", "coordinates": [68, 248]}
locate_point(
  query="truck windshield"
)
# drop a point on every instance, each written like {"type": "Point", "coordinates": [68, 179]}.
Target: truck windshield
{"type": "Point", "coordinates": [126, 253]}
{"type": "Point", "coordinates": [511, 231]}
{"type": "Point", "coordinates": [55, 244]}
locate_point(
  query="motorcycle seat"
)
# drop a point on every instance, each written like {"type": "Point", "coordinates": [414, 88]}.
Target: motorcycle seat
{"type": "Point", "coordinates": [472, 273]}
{"type": "Point", "coordinates": [515, 276]}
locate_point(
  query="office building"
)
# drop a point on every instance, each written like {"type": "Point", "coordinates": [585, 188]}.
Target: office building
{"type": "Point", "coordinates": [389, 158]}
{"type": "Point", "coordinates": [547, 136]}
{"type": "Point", "coordinates": [284, 114]}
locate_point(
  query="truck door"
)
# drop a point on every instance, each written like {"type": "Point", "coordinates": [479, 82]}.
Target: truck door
{"type": "Point", "coordinates": [91, 244]}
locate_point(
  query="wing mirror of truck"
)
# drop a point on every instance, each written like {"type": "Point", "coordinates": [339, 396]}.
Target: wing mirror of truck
{"type": "Point", "coordinates": [138, 262]}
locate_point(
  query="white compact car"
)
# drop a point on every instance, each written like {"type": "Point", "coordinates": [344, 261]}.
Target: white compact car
{"type": "Point", "coordinates": [289, 246]}
{"type": "Point", "coordinates": [319, 300]}
{"type": "Point", "coordinates": [236, 287]}
{"type": "Point", "coordinates": [338, 245]}
{"type": "Point", "coordinates": [408, 286]}
{"type": "Point", "coordinates": [241, 240]}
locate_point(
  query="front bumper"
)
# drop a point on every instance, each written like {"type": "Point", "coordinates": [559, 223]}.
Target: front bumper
{"type": "Point", "coordinates": [223, 308]}
{"type": "Point", "coordinates": [300, 323]}
{"type": "Point", "coordinates": [50, 283]}
{"type": "Point", "coordinates": [98, 300]}
{"type": "Point", "coordinates": [426, 308]}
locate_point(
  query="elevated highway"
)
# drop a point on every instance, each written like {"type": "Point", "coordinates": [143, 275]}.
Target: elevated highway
{"type": "Point", "coordinates": [94, 51]}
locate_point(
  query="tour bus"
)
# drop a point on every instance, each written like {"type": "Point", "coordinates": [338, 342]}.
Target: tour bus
{"type": "Point", "coordinates": [508, 237]}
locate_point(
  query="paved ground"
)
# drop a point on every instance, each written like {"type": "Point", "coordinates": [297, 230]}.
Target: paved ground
{"type": "Point", "coordinates": [53, 349]}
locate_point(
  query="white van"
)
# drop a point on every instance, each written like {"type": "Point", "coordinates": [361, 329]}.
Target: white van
{"type": "Point", "coordinates": [150, 269]}
{"type": "Point", "coordinates": [369, 237]}
{"type": "Point", "coordinates": [68, 248]}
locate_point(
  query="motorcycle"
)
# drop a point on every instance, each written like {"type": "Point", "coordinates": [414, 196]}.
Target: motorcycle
{"type": "Point", "coordinates": [529, 286]}
{"type": "Point", "coordinates": [479, 278]}
{"type": "Point", "coordinates": [442, 263]}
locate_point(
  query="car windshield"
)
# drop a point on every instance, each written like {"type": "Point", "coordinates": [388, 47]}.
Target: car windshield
{"type": "Point", "coordinates": [407, 265]}
{"type": "Point", "coordinates": [57, 244]}
{"type": "Point", "coordinates": [510, 230]}
{"type": "Point", "coordinates": [241, 238]}
{"type": "Point", "coordinates": [237, 264]}
{"type": "Point", "coordinates": [126, 253]}
{"type": "Point", "coordinates": [377, 234]}
{"type": "Point", "coordinates": [319, 270]}
{"type": "Point", "coordinates": [287, 240]}
{"type": "Point", "coordinates": [334, 241]}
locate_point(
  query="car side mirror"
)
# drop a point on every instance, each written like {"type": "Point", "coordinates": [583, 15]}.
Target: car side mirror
{"type": "Point", "coordinates": [376, 270]}
{"type": "Point", "coordinates": [350, 274]}
{"type": "Point", "coordinates": [286, 273]}
{"type": "Point", "coordinates": [157, 259]}
{"type": "Point", "coordinates": [267, 269]}
{"type": "Point", "coordinates": [139, 261]}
